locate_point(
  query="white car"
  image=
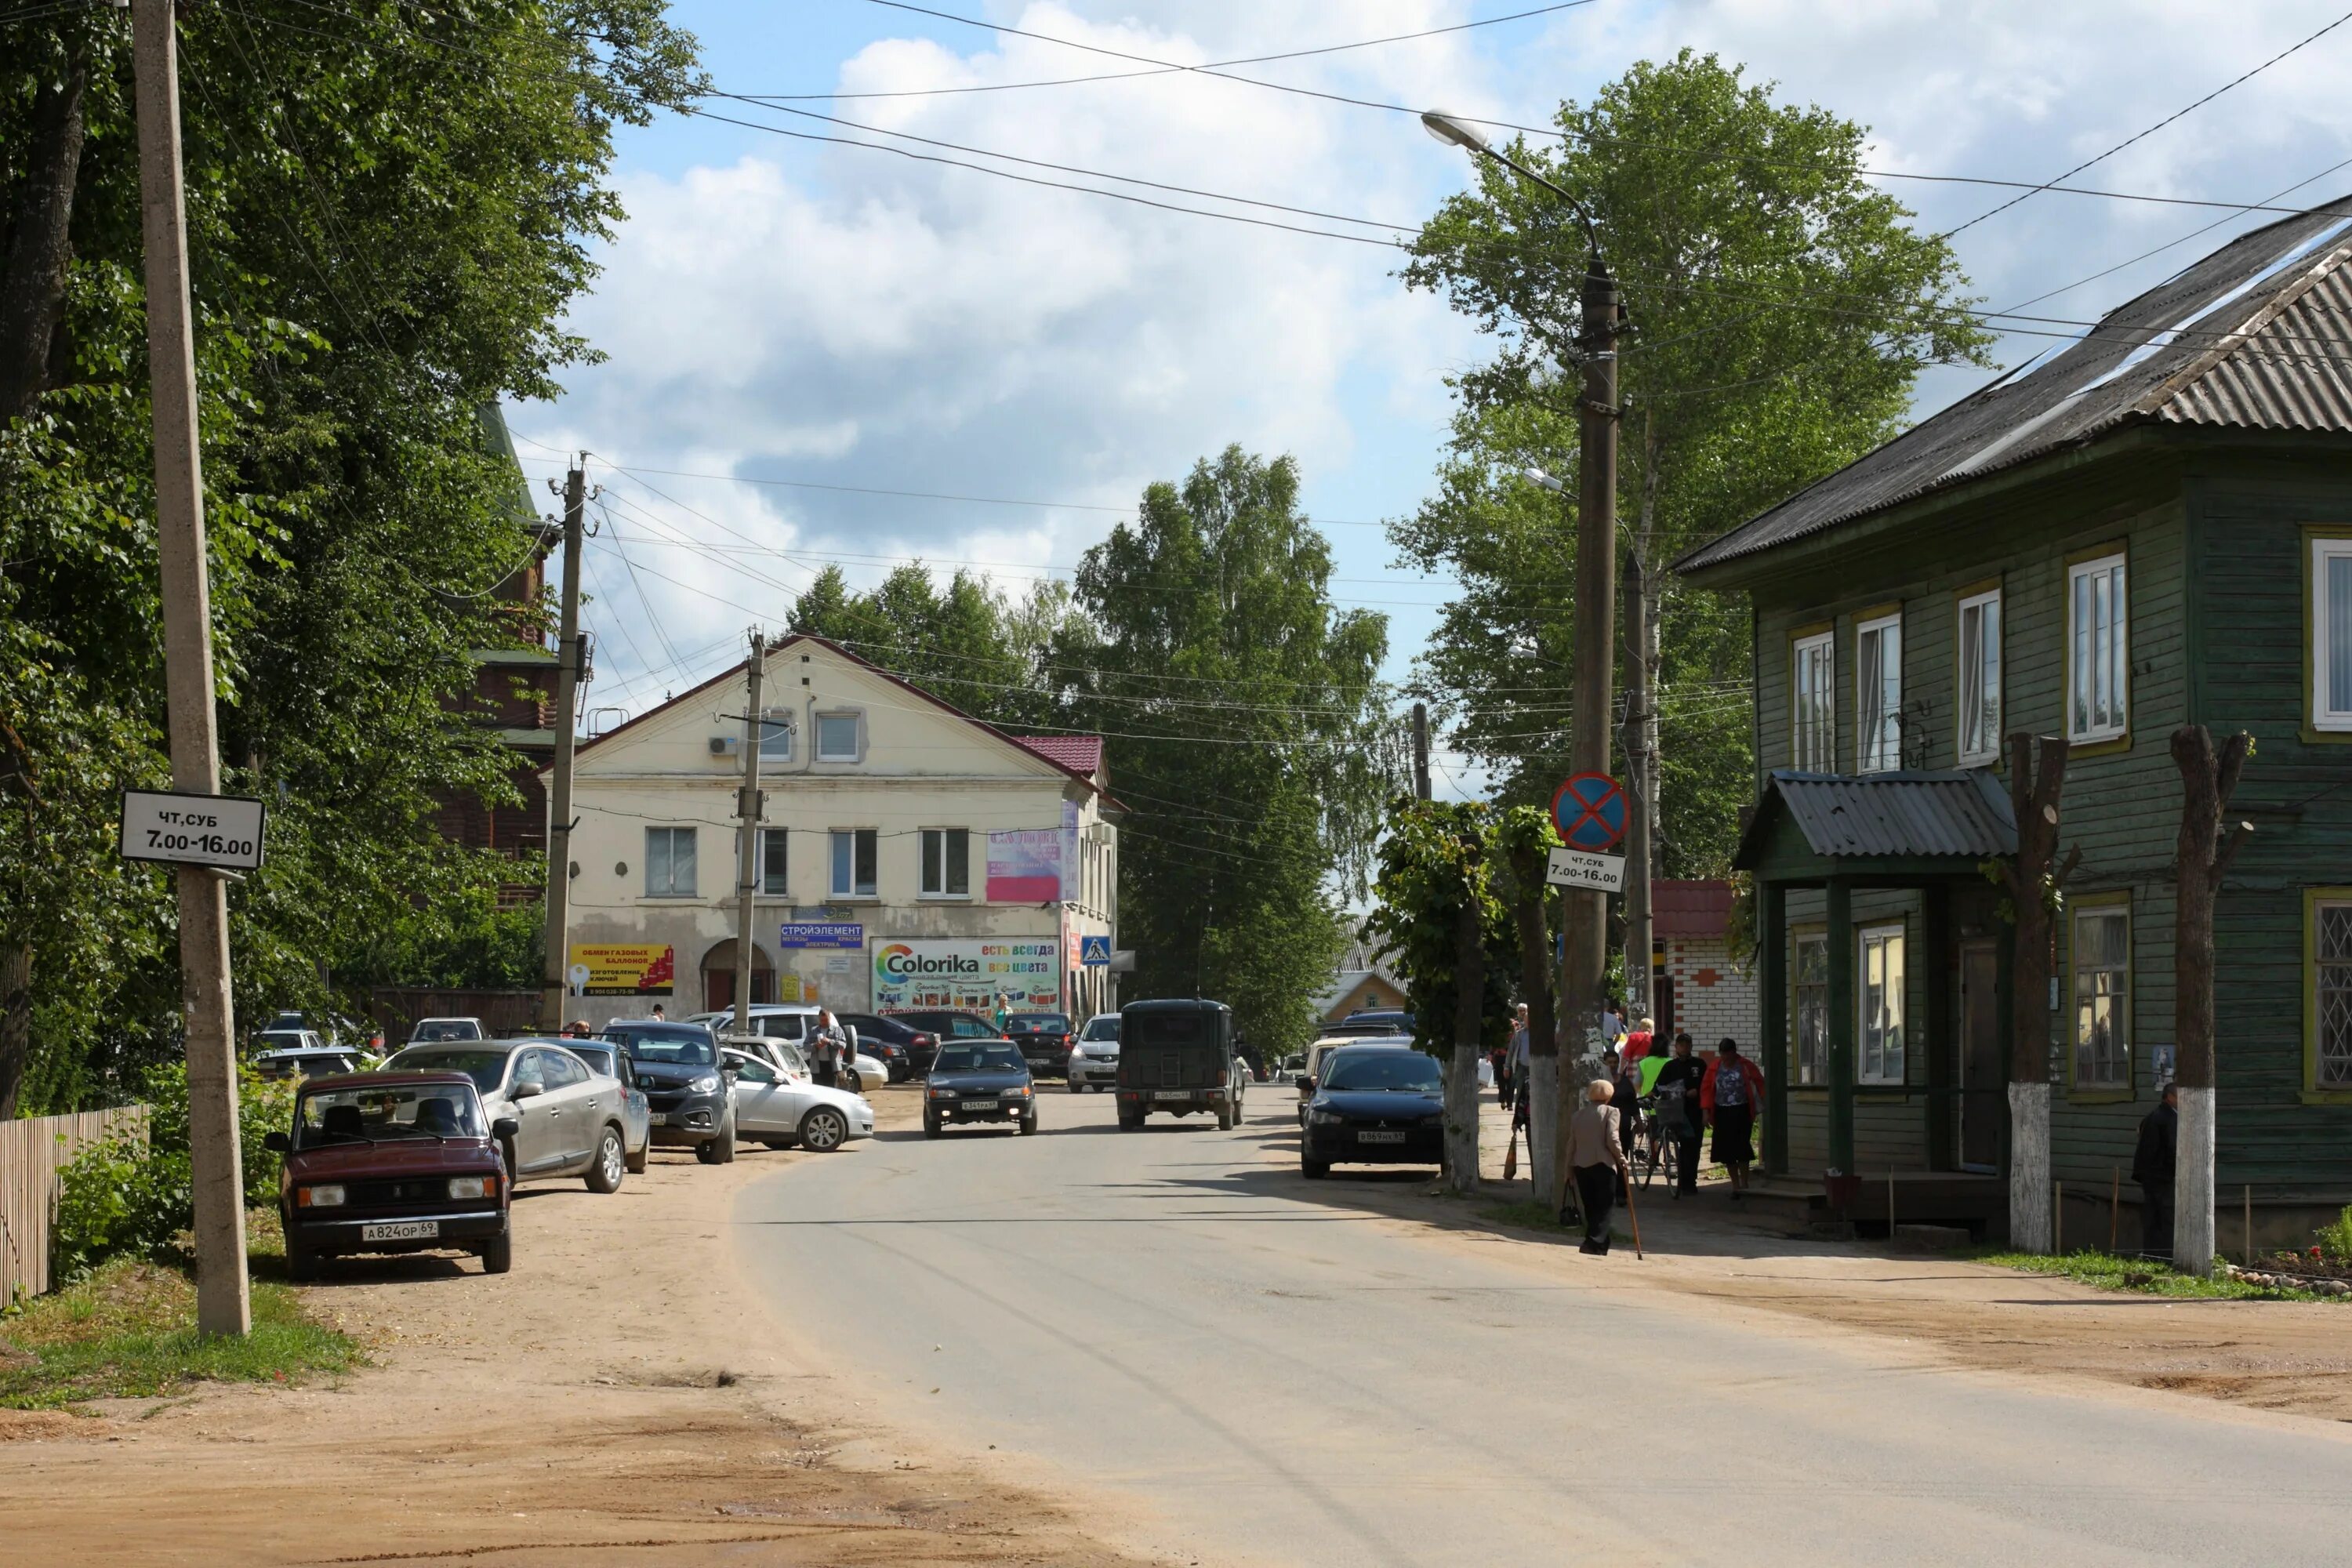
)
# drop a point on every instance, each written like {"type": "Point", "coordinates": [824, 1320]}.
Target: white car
{"type": "Point", "coordinates": [795, 1021]}
{"type": "Point", "coordinates": [436, 1031]}
{"type": "Point", "coordinates": [780, 1108]}
{"type": "Point", "coordinates": [1094, 1059]}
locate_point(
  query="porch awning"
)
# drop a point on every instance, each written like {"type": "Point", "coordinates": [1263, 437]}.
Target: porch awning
{"type": "Point", "coordinates": [1956, 816]}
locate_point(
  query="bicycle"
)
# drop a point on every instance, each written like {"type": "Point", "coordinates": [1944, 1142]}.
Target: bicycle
{"type": "Point", "coordinates": [1655, 1145]}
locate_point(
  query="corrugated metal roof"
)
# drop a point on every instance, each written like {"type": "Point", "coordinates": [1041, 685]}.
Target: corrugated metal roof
{"type": "Point", "coordinates": [2258, 335]}
{"type": "Point", "coordinates": [1079, 753]}
{"type": "Point", "coordinates": [1958, 812]}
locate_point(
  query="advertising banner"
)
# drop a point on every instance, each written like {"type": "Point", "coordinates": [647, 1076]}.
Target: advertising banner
{"type": "Point", "coordinates": [822, 933]}
{"type": "Point", "coordinates": [973, 973]}
{"type": "Point", "coordinates": [626, 969]}
{"type": "Point", "coordinates": [1026, 867]}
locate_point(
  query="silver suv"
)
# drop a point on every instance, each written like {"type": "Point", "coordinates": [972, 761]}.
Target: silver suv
{"type": "Point", "coordinates": [1094, 1059]}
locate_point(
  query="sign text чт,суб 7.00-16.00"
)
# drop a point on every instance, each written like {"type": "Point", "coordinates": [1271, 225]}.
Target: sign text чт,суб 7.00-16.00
{"type": "Point", "coordinates": [222, 831]}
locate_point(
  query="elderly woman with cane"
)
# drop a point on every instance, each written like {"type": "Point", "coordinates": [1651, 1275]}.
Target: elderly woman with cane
{"type": "Point", "coordinates": [1595, 1160]}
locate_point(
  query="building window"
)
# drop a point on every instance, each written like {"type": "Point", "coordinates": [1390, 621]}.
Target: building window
{"type": "Point", "coordinates": [2331, 1002]}
{"type": "Point", "coordinates": [840, 737]}
{"type": "Point", "coordinates": [773, 862]}
{"type": "Point", "coordinates": [669, 862]}
{"type": "Point", "coordinates": [1813, 712]}
{"type": "Point", "coordinates": [1979, 678]}
{"type": "Point", "coordinates": [776, 735]}
{"type": "Point", "coordinates": [2102, 949]}
{"type": "Point", "coordinates": [947, 863]}
{"type": "Point", "coordinates": [1882, 1006]}
{"type": "Point", "coordinates": [854, 854]}
{"type": "Point", "coordinates": [1878, 694]}
{"type": "Point", "coordinates": [1810, 987]}
{"type": "Point", "coordinates": [2098, 673]}
{"type": "Point", "coordinates": [2331, 634]}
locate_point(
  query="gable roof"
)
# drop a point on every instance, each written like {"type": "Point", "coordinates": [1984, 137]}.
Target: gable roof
{"type": "Point", "coordinates": [1031, 746]}
{"type": "Point", "coordinates": [1959, 812]}
{"type": "Point", "coordinates": [2257, 335]}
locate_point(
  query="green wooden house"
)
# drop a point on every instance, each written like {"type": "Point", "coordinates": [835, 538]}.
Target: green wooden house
{"type": "Point", "coordinates": [2148, 526]}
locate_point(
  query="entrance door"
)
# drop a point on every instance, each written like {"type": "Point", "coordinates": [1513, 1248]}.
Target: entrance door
{"type": "Point", "coordinates": [1983, 1076]}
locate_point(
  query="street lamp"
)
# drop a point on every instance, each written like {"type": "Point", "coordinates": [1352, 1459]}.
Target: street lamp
{"type": "Point", "coordinates": [1537, 477]}
{"type": "Point", "coordinates": [1456, 131]}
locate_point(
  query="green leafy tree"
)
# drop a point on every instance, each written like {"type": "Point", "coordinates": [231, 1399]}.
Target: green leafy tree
{"type": "Point", "coordinates": [389, 210]}
{"type": "Point", "coordinates": [1779, 309]}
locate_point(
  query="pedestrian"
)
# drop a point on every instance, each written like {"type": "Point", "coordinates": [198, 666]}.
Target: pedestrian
{"type": "Point", "coordinates": [577, 1029]}
{"type": "Point", "coordinates": [1638, 1042]}
{"type": "Point", "coordinates": [1731, 1094]}
{"type": "Point", "coordinates": [661, 1015]}
{"type": "Point", "coordinates": [1511, 1078]}
{"type": "Point", "coordinates": [1612, 1025]}
{"type": "Point", "coordinates": [1597, 1163]}
{"type": "Point", "coordinates": [2153, 1164]}
{"type": "Point", "coordinates": [827, 1045]}
{"type": "Point", "coordinates": [1627, 1098]}
{"type": "Point", "coordinates": [1674, 1113]}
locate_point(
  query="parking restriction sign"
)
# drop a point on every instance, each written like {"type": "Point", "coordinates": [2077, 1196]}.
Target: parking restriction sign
{"type": "Point", "coordinates": [1588, 810]}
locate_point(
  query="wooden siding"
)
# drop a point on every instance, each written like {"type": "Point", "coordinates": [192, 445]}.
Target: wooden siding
{"type": "Point", "coordinates": [2248, 545]}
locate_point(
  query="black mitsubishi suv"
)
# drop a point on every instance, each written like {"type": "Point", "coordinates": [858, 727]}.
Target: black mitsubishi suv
{"type": "Point", "coordinates": [688, 1094]}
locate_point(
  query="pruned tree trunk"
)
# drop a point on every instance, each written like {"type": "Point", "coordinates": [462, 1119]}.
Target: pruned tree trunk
{"type": "Point", "coordinates": [1535, 988]}
{"type": "Point", "coordinates": [1462, 1064]}
{"type": "Point", "coordinates": [33, 285]}
{"type": "Point", "coordinates": [1645, 586]}
{"type": "Point", "coordinates": [15, 1022]}
{"type": "Point", "coordinates": [2201, 858]}
{"type": "Point", "coordinates": [2034, 789]}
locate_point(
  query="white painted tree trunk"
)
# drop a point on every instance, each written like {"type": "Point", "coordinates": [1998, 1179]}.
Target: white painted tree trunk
{"type": "Point", "coordinates": [2028, 1167]}
{"type": "Point", "coordinates": [2192, 1185]}
{"type": "Point", "coordinates": [1543, 1122]}
{"type": "Point", "coordinates": [1461, 1120]}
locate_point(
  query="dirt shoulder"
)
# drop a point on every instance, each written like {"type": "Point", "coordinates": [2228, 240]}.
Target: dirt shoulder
{"type": "Point", "coordinates": [621, 1398]}
{"type": "Point", "coordinates": [2282, 1356]}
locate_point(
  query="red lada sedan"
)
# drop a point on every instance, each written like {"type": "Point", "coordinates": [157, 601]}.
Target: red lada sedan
{"type": "Point", "coordinates": [392, 1162]}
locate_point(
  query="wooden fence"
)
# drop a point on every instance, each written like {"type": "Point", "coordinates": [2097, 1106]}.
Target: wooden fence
{"type": "Point", "coordinates": [32, 1152]}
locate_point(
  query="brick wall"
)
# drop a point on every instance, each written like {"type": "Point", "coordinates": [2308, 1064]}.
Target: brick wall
{"type": "Point", "coordinates": [1712, 997]}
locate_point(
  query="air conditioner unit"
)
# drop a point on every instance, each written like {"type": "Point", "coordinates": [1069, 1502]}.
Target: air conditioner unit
{"type": "Point", "coordinates": [726, 745]}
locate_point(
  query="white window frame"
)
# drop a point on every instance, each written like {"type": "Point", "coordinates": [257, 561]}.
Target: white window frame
{"type": "Point", "coordinates": [776, 735]}
{"type": "Point", "coordinates": [2331, 978]}
{"type": "Point", "coordinates": [2331, 709]}
{"type": "Point", "coordinates": [1812, 738]}
{"type": "Point", "coordinates": [2117, 995]}
{"type": "Point", "coordinates": [927, 885]}
{"type": "Point", "coordinates": [1976, 685]}
{"type": "Point", "coordinates": [1812, 1057]}
{"type": "Point", "coordinates": [857, 720]}
{"type": "Point", "coordinates": [1878, 747]}
{"type": "Point", "coordinates": [671, 838]}
{"type": "Point", "coordinates": [834, 886]}
{"type": "Point", "coordinates": [1880, 1041]}
{"type": "Point", "coordinates": [2094, 661]}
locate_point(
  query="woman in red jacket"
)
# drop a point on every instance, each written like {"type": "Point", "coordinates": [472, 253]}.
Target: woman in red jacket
{"type": "Point", "coordinates": [1732, 1094]}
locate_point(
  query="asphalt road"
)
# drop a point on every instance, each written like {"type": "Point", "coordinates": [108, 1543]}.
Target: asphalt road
{"type": "Point", "coordinates": [1245, 1368]}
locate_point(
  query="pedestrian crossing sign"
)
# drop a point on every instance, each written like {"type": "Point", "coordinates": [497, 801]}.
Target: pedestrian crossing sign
{"type": "Point", "coordinates": [1093, 949]}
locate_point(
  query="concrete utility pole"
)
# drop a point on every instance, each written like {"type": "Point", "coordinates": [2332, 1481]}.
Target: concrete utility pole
{"type": "Point", "coordinates": [1420, 751]}
{"type": "Point", "coordinates": [1584, 954]}
{"type": "Point", "coordinates": [568, 662]}
{"type": "Point", "coordinates": [747, 838]}
{"type": "Point", "coordinates": [215, 1162]}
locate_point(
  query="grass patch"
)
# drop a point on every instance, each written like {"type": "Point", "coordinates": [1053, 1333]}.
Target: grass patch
{"type": "Point", "coordinates": [2139, 1276]}
{"type": "Point", "coordinates": [128, 1330]}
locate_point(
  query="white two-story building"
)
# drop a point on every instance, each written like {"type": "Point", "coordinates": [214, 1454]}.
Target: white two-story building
{"type": "Point", "coordinates": [910, 854]}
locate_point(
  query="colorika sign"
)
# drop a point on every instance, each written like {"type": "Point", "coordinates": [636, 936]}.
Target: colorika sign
{"type": "Point", "coordinates": [626, 969]}
{"type": "Point", "coordinates": [970, 972]}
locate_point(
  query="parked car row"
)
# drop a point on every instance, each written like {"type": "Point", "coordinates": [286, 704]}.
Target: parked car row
{"type": "Point", "coordinates": [423, 1153]}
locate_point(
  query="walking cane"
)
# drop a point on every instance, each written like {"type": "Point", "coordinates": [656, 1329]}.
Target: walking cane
{"type": "Point", "coordinates": [1633, 1215]}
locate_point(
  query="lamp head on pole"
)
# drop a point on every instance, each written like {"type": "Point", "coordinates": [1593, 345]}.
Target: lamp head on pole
{"type": "Point", "coordinates": [1453, 130]}
{"type": "Point", "coordinates": [1537, 477]}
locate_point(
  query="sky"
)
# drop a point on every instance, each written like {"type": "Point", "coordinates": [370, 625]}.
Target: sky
{"type": "Point", "coordinates": [838, 321]}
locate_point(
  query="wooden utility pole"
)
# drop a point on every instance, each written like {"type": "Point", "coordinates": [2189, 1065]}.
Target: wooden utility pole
{"type": "Point", "coordinates": [2201, 858]}
{"type": "Point", "coordinates": [1641, 790]}
{"type": "Point", "coordinates": [216, 1166]}
{"type": "Point", "coordinates": [1420, 751]}
{"type": "Point", "coordinates": [568, 670]}
{"type": "Point", "coordinates": [1584, 956]}
{"type": "Point", "coordinates": [2034, 787]}
{"type": "Point", "coordinates": [747, 835]}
